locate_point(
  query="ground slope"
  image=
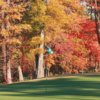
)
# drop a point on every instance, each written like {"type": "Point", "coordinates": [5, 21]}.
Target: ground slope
{"type": "Point", "coordinates": [64, 88]}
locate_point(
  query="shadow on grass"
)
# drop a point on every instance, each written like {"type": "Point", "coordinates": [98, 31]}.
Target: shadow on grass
{"type": "Point", "coordinates": [61, 86]}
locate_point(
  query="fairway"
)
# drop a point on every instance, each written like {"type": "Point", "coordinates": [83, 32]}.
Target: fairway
{"type": "Point", "coordinates": [73, 88]}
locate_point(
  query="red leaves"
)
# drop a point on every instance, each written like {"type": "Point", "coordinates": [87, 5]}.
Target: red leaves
{"type": "Point", "coordinates": [74, 48]}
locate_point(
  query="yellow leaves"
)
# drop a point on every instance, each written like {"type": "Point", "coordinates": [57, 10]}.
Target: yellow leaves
{"type": "Point", "coordinates": [16, 53]}
{"type": "Point", "coordinates": [30, 57]}
{"type": "Point", "coordinates": [12, 24]}
{"type": "Point", "coordinates": [14, 14]}
{"type": "Point", "coordinates": [73, 5]}
{"type": "Point", "coordinates": [14, 11]}
{"type": "Point", "coordinates": [38, 11]}
{"type": "Point", "coordinates": [54, 9]}
{"type": "Point", "coordinates": [4, 32]}
{"type": "Point", "coordinates": [19, 28]}
{"type": "Point", "coordinates": [2, 2]}
{"type": "Point", "coordinates": [25, 27]}
{"type": "Point", "coordinates": [55, 16]}
{"type": "Point", "coordinates": [14, 17]}
{"type": "Point", "coordinates": [35, 41]}
{"type": "Point", "coordinates": [58, 20]}
{"type": "Point", "coordinates": [49, 60]}
{"type": "Point", "coordinates": [13, 41]}
{"type": "Point", "coordinates": [35, 45]}
{"type": "Point", "coordinates": [36, 51]}
{"type": "Point", "coordinates": [15, 28]}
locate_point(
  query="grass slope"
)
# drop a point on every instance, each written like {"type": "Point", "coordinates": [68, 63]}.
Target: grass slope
{"type": "Point", "coordinates": [75, 88]}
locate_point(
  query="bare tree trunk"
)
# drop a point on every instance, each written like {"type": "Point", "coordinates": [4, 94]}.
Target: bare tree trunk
{"type": "Point", "coordinates": [40, 72]}
{"type": "Point", "coordinates": [4, 51]}
{"type": "Point", "coordinates": [9, 78]}
{"type": "Point", "coordinates": [21, 78]}
{"type": "Point", "coordinates": [8, 60]}
{"type": "Point", "coordinates": [4, 61]}
{"type": "Point", "coordinates": [96, 64]}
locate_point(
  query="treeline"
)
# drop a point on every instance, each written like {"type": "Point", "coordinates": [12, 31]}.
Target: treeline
{"type": "Point", "coordinates": [31, 29]}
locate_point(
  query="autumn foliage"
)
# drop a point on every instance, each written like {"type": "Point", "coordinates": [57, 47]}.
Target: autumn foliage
{"type": "Point", "coordinates": [68, 31]}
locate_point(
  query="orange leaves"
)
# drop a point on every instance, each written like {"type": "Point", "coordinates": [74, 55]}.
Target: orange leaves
{"type": "Point", "coordinates": [4, 33]}
{"type": "Point", "coordinates": [49, 60]}
{"type": "Point", "coordinates": [12, 16]}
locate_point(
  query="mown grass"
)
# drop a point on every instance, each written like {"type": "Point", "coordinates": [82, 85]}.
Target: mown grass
{"type": "Point", "coordinates": [73, 88]}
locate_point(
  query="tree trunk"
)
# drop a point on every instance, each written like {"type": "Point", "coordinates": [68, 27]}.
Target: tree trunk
{"type": "Point", "coordinates": [97, 21]}
{"type": "Point", "coordinates": [9, 78]}
{"type": "Point", "coordinates": [21, 78]}
{"type": "Point", "coordinates": [40, 72]}
{"type": "Point", "coordinates": [4, 61]}
{"type": "Point", "coordinates": [4, 52]}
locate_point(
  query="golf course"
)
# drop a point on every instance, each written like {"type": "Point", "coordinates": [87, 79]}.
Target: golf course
{"type": "Point", "coordinates": [60, 88]}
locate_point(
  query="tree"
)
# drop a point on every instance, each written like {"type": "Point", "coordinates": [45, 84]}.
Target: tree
{"type": "Point", "coordinates": [11, 30]}
{"type": "Point", "coordinates": [54, 17]}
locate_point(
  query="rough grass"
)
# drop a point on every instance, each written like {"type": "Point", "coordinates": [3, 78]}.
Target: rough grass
{"type": "Point", "coordinates": [72, 88]}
